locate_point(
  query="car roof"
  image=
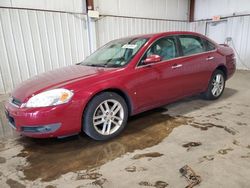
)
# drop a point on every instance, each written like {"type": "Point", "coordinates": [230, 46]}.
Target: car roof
{"type": "Point", "coordinates": [155, 35]}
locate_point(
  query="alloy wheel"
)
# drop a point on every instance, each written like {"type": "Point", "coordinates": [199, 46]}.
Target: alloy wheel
{"type": "Point", "coordinates": [108, 117]}
{"type": "Point", "coordinates": [218, 85]}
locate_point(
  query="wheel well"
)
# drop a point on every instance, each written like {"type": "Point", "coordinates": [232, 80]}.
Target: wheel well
{"type": "Point", "coordinates": [223, 69]}
{"type": "Point", "coordinates": [122, 94]}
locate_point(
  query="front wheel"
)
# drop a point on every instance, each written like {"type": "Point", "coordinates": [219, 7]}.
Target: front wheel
{"type": "Point", "coordinates": [216, 85]}
{"type": "Point", "coordinates": [105, 116]}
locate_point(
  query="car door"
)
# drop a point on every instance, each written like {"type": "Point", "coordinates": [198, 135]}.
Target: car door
{"type": "Point", "coordinates": [195, 67]}
{"type": "Point", "coordinates": [159, 83]}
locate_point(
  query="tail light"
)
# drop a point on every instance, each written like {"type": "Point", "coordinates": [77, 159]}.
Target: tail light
{"type": "Point", "coordinates": [230, 58]}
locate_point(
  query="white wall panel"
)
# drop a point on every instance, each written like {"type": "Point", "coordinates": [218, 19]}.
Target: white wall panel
{"type": "Point", "coordinates": [163, 9]}
{"type": "Point", "coordinates": [239, 29]}
{"type": "Point", "coordinates": [199, 27]}
{"type": "Point", "coordinates": [206, 9]}
{"type": "Point", "coordinates": [32, 42]}
{"type": "Point", "coordinates": [76, 6]}
{"type": "Point", "coordinates": [110, 27]}
{"type": "Point", "coordinates": [6, 3]}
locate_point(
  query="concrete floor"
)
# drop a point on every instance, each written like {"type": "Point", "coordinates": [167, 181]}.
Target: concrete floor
{"type": "Point", "coordinates": [149, 153]}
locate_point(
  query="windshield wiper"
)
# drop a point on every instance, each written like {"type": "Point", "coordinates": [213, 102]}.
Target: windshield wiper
{"type": "Point", "coordinates": [95, 65]}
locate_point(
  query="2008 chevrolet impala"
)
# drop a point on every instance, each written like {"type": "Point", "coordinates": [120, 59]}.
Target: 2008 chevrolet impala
{"type": "Point", "coordinates": [125, 77]}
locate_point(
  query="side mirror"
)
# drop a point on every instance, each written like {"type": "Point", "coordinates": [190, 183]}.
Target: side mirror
{"type": "Point", "coordinates": [152, 59]}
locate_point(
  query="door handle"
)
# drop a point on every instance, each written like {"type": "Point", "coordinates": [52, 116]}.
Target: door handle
{"type": "Point", "coordinates": [176, 66]}
{"type": "Point", "coordinates": [209, 58]}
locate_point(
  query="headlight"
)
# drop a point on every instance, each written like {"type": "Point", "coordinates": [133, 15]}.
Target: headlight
{"type": "Point", "coordinates": [50, 98]}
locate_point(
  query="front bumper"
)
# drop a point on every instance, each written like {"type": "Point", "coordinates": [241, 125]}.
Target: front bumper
{"type": "Point", "coordinates": [45, 122]}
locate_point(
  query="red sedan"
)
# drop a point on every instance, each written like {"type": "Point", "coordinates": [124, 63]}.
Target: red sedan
{"type": "Point", "coordinates": [125, 77]}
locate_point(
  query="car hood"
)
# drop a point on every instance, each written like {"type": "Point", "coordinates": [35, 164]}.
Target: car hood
{"type": "Point", "coordinates": [54, 79]}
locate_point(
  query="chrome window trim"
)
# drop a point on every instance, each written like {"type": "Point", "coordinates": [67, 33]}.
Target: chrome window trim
{"type": "Point", "coordinates": [141, 66]}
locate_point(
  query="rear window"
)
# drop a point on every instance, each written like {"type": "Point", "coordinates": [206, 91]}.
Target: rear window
{"type": "Point", "coordinates": [191, 44]}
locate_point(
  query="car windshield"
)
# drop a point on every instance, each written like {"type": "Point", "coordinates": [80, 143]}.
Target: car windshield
{"type": "Point", "coordinates": [116, 53]}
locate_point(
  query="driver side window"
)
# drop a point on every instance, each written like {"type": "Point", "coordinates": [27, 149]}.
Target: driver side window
{"type": "Point", "coordinates": [164, 47]}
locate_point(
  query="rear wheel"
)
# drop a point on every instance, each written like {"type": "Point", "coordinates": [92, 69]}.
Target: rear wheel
{"type": "Point", "coordinates": [216, 85]}
{"type": "Point", "coordinates": [105, 116]}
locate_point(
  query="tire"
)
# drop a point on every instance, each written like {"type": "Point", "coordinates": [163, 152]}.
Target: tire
{"type": "Point", "coordinates": [105, 116]}
{"type": "Point", "coordinates": [216, 85]}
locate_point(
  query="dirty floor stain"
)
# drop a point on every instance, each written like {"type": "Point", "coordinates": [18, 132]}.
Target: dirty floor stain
{"type": "Point", "coordinates": [157, 184]}
{"type": "Point", "coordinates": [206, 158]}
{"type": "Point", "coordinates": [241, 124]}
{"type": "Point", "coordinates": [88, 175]}
{"type": "Point", "coordinates": [50, 186]}
{"type": "Point", "coordinates": [206, 126]}
{"type": "Point", "coordinates": [135, 169]}
{"type": "Point", "coordinates": [236, 142]}
{"type": "Point", "coordinates": [145, 183]}
{"type": "Point", "coordinates": [48, 159]}
{"type": "Point", "coordinates": [246, 156]}
{"type": "Point", "coordinates": [189, 145]}
{"type": "Point", "coordinates": [2, 160]}
{"type": "Point", "coordinates": [160, 184]}
{"type": "Point", "coordinates": [99, 182]}
{"type": "Point", "coordinates": [2, 146]}
{"type": "Point", "coordinates": [151, 155]}
{"type": "Point", "coordinates": [225, 151]}
{"type": "Point", "coordinates": [192, 178]}
{"type": "Point", "coordinates": [14, 184]}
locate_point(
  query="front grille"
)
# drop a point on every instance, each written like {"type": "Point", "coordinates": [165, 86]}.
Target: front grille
{"type": "Point", "coordinates": [15, 101]}
{"type": "Point", "coordinates": [30, 129]}
{"type": "Point", "coordinates": [49, 128]}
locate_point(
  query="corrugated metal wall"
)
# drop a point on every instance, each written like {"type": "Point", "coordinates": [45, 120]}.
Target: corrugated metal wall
{"type": "Point", "coordinates": [199, 27]}
{"type": "Point", "coordinates": [206, 9]}
{"type": "Point", "coordinates": [33, 42]}
{"type": "Point", "coordinates": [111, 27]}
{"type": "Point", "coordinates": [76, 6]}
{"type": "Point", "coordinates": [161, 9]}
{"type": "Point", "coordinates": [238, 28]}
